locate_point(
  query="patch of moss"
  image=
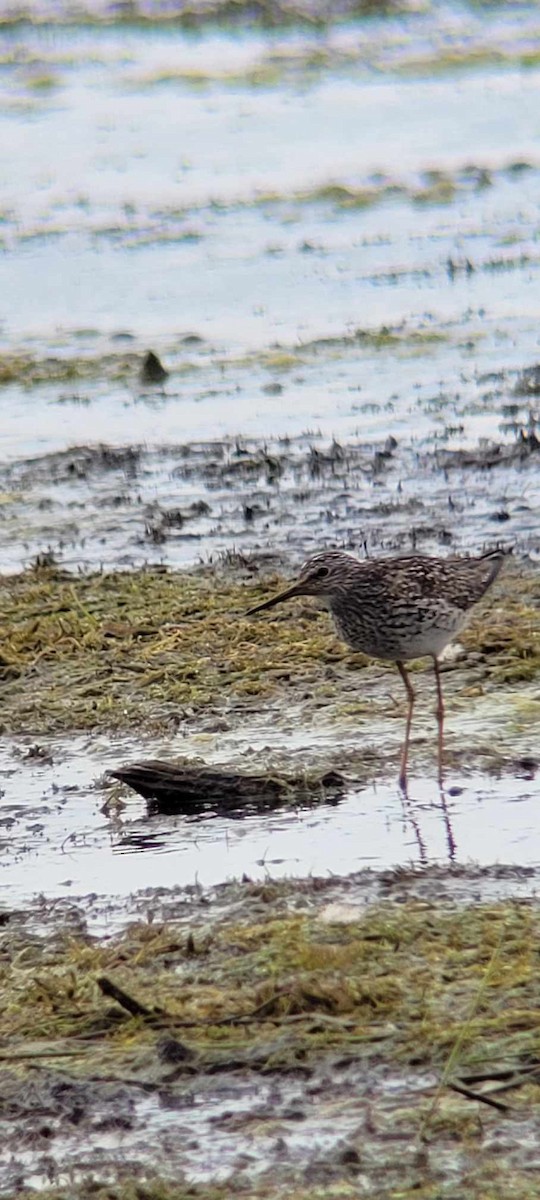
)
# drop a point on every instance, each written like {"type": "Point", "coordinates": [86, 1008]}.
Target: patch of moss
{"type": "Point", "coordinates": [440, 191]}
{"type": "Point", "coordinates": [400, 339]}
{"type": "Point", "coordinates": [303, 63]}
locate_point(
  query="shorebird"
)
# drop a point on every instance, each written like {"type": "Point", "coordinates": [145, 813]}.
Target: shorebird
{"type": "Point", "coordinates": [397, 609]}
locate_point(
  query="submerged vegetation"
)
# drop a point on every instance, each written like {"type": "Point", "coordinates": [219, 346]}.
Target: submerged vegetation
{"type": "Point", "coordinates": [190, 15]}
{"type": "Point", "coordinates": [31, 371]}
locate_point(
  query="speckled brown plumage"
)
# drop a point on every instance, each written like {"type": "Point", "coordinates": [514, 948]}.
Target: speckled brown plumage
{"type": "Point", "coordinates": [397, 608]}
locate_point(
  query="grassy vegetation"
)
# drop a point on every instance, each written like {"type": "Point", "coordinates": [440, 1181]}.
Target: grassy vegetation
{"type": "Point", "coordinates": [110, 650]}
{"type": "Point", "coordinates": [478, 1185]}
{"type": "Point", "coordinates": [414, 987]}
{"type": "Point", "coordinates": [409, 983]}
{"type": "Point", "coordinates": [124, 650]}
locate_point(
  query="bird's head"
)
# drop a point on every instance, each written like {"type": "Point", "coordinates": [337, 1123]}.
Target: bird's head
{"type": "Point", "coordinates": [326, 574]}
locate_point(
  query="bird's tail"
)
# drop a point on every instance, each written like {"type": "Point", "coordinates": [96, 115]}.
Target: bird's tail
{"type": "Point", "coordinates": [493, 560]}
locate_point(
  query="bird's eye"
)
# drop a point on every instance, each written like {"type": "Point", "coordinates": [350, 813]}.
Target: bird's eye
{"type": "Point", "coordinates": [321, 572]}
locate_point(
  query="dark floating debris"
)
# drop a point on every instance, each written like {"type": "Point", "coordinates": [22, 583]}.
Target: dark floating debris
{"type": "Point", "coordinates": [180, 788]}
{"type": "Point", "coordinates": [526, 767]}
{"type": "Point", "coordinates": [152, 370]}
{"type": "Point", "coordinates": [528, 382]}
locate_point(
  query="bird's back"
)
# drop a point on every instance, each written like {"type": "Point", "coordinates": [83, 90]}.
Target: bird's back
{"type": "Point", "coordinates": [401, 608]}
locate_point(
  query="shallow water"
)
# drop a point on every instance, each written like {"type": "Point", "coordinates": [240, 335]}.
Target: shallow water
{"type": "Point", "coordinates": [56, 839]}
{"type": "Point", "coordinates": [242, 1124]}
{"type": "Point", "coordinates": [160, 191]}
{"type": "Point", "coordinates": [140, 207]}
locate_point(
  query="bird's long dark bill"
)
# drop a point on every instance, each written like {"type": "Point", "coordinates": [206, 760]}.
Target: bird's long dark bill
{"type": "Point", "coordinates": [295, 590]}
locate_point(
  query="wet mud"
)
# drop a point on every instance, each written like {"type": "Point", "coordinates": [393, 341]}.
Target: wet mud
{"type": "Point", "coordinates": [278, 499]}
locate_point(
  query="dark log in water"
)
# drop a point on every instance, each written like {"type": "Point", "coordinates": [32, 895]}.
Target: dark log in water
{"type": "Point", "coordinates": [180, 788]}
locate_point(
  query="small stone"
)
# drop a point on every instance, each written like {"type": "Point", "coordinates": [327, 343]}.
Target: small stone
{"type": "Point", "coordinates": [152, 371]}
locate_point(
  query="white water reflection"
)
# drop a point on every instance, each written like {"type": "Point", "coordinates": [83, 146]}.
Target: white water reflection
{"type": "Point", "coordinates": [116, 219]}
{"type": "Point", "coordinates": [57, 842]}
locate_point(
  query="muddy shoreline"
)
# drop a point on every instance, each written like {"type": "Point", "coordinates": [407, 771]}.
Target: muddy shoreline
{"type": "Point", "coordinates": [275, 500]}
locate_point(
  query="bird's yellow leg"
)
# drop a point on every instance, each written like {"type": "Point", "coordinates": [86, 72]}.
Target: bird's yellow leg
{"type": "Point", "coordinates": [405, 751]}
